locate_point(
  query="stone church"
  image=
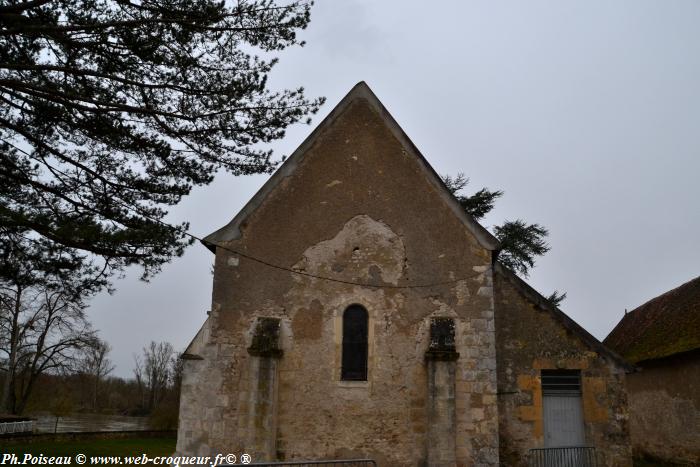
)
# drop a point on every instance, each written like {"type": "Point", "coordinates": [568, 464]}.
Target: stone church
{"type": "Point", "coordinates": [358, 312]}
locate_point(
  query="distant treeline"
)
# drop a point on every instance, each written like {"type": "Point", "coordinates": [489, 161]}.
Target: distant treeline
{"type": "Point", "coordinates": [153, 391]}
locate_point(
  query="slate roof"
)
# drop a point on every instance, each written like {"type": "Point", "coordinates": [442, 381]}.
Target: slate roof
{"type": "Point", "coordinates": [663, 326]}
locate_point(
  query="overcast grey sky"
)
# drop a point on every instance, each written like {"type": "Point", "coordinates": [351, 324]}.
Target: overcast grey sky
{"type": "Point", "coordinates": [586, 113]}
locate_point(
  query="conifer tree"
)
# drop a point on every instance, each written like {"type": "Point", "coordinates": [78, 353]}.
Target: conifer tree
{"type": "Point", "coordinates": [112, 110]}
{"type": "Point", "coordinates": [521, 243]}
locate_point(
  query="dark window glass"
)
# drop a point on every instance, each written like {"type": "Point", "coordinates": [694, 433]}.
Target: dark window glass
{"type": "Point", "coordinates": [561, 382]}
{"type": "Point", "coordinates": [354, 344]}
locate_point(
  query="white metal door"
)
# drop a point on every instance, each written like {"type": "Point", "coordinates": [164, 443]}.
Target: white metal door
{"type": "Point", "coordinates": [563, 421]}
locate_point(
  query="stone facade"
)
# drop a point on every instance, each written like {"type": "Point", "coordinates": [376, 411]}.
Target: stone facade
{"type": "Point", "coordinates": [362, 219]}
{"type": "Point", "coordinates": [665, 406]}
{"type": "Point", "coordinates": [661, 338]}
{"type": "Point", "coordinates": [530, 338]}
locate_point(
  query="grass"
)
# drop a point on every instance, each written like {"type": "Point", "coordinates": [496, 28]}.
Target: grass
{"type": "Point", "coordinates": [96, 447]}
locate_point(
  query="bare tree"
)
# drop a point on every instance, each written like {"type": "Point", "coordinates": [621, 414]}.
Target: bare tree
{"type": "Point", "coordinates": [158, 371]}
{"type": "Point", "coordinates": [96, 365]}
{"type": "Point", "coordinates": [42, 329]}
{"type": "Point", "coordinates": [43, 326]}
{"type": "Point", "coordinates": [139, 375]}
{"type": "Point", "coordinates": [153, 372]}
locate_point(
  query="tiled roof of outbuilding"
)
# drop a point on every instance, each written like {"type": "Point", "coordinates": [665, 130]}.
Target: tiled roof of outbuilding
{"type": "Point", "coordinates": [663, 326]}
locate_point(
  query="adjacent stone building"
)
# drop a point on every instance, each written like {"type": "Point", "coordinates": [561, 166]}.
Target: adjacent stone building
{"type": "Point", "coordinates": [662, 338]}
{"type": "Point", "coordinates": [358, 311]}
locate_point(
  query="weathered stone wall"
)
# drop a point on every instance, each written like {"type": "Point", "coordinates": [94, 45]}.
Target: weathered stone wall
{"type": "Point", "coordinates": [665, 408]}
{"type": "Point", "coordinates": [530, 339]}
{"type": "Point", "coordinates": [358, 207]}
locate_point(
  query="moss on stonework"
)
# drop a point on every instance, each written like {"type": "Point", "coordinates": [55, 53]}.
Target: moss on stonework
{"type": "Point", "coordinates": [266, 338]}
{"type": "Point", "coordinates": [649, 349]}
{"type": "Point", "coordinates": [442, 335]}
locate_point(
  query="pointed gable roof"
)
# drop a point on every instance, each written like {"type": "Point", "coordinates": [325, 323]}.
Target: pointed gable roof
{"type": "Point", "coordinates": [663, 326]}
{"type": "Point", "coordinates": [534, 297]}
{"type": "Point", "coordinates": [361, 90]}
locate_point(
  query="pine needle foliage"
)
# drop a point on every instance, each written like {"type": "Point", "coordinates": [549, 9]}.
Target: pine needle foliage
{"type": "Point", "coordinates": [521, 243]}
{"type": "Point", "coordinates": [478, 204]}
{"type": "Point", "coordinates": [112, 110]}
{"type": "Point", "coordinates": [556, 298]}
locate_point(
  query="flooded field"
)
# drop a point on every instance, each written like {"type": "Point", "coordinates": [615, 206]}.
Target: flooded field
{"type": "Point", "coordinates": [46, 423]}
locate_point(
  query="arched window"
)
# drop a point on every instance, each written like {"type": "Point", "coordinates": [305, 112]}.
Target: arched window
{"type": "Point", "coordinates": [354, 364]}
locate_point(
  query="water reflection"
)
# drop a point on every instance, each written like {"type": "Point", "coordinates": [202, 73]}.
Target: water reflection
{"type": "Point", "coordinates": [46, 423]}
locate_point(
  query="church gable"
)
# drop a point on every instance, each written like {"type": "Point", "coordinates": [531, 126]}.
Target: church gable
{"type": "Point", "coordinates": [357, 171]}
{"type": "Point", "coordinates": [354, 243]}
{"type": "Point", "coordinates": [353, 312]}
{"type": "Point", "coordinates": [358, 156]}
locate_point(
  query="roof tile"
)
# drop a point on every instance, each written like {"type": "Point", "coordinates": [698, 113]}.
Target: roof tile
{"type": "Point", "coordinates": [663, 326]}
